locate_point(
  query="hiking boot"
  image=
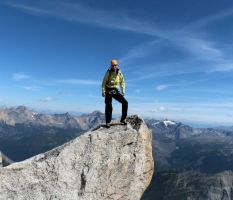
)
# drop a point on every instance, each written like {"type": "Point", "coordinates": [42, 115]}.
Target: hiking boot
{"type": "Point", "coordinates": [123, 121]}
{"type": "Point", "coordinates": [107, 125]}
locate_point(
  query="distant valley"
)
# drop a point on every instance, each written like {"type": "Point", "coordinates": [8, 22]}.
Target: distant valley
{"type": "Point", "coordinates": [191, 163]}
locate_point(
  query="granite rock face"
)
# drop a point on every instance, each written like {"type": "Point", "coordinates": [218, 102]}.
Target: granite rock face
{"type": "Point", "coordinates": [114, 163]}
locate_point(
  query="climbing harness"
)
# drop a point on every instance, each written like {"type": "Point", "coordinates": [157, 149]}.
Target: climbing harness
{"type": "Point", "coordinates": [111, 92]}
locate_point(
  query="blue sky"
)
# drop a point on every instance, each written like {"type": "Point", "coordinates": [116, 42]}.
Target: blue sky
{"type": "Point", "coordinates": [176, 56]}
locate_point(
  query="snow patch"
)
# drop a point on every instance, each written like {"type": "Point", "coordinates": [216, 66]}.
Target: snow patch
{"type": "Point", "coordinates": [167, 122]}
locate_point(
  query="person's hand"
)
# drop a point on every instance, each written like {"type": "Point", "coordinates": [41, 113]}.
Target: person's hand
{"type": "Point", "coordinates": [123, 94]}
{"type": "Point", "coordinates": [103, 94]}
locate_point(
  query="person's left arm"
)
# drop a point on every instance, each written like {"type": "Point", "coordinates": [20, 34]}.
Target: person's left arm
{"type": "Point", "coordinates": [122, 84]}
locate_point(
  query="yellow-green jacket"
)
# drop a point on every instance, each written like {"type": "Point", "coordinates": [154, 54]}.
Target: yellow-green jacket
{"type": "Point", "coordinates": [112, 80]}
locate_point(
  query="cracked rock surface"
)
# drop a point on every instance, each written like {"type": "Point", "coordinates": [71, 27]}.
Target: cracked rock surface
{"type": "Point", "coordinates": [114, 163]}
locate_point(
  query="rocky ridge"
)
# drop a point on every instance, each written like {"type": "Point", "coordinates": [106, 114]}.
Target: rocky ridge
{"type": "Point", "coordinates": [23, 115]}
{"type": "Point", "coordinates": [114, 163]}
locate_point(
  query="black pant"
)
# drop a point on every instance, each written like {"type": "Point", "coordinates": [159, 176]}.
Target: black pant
{"type": "Point", "coordinates": [108, 104]}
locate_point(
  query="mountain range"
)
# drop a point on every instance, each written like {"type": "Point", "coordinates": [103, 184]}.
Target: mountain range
{"type": "Point", "coordinates": [190, 163]}
{"type": "Point", "coordinates": [25, 133]}
{"type": "Point", "coordinates": [23, 115]}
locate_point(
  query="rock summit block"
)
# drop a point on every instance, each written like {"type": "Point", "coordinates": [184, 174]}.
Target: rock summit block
{"type": "Point", "coordinates": [114, 163]}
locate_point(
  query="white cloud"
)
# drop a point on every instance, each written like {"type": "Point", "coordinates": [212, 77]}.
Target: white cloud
{"type": "Point", "coordinates": [204, 49]}
{"type": "Point", "coordinates": [222, 67]}
{"type": "Point", "coordinates": [162, 108]}
{"type": "Point", "coordinates": [85, 14]}
{"type": "Point", "coordinates": [31, 88]}
{"type": "Point", "coordinates": [162, 87]}
{"type": "Point", "coordinates": [189, 40]}
{"type": "Point", "coordinates": [154, 71]}
{"type": "Point", "coordinates": [19, 76]}
{"type": "Point", "coordinates": [139, 51]}
{"type": "Point", "coordinates": [80, 82]}
{"type": "Point", "coordinates": [211, 19]}
{"type": "Point", "coordinates": [158, 109]}
{"type": "Point", "coordinates": [181, 37]}
{"type": "Point", "coordinates": [47, 99]}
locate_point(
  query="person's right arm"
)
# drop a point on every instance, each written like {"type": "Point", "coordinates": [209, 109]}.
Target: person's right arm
{"type": "Point", "coordinates": [104, 83]}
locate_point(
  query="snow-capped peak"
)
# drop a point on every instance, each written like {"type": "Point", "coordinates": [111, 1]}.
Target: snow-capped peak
{"type": "Point", "coordinates": [167, 122]}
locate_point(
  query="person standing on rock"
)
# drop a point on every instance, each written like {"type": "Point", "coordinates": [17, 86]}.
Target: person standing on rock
{"type": "Point", "coordinates": [112, 79]}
